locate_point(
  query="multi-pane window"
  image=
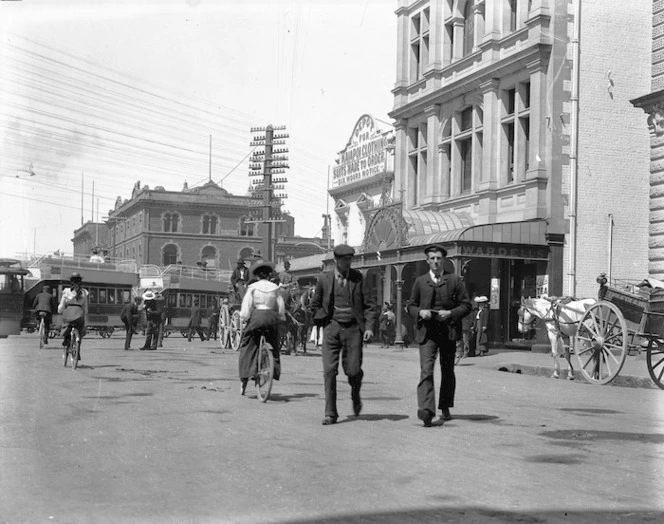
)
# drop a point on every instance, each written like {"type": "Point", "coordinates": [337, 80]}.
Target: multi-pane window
{"type": "Point", "coordinates": [461, 144]}
{"type": "Point", "coordinates": [247, 229]}
{"type": "Point", "coordinates": [417, 160]}
{"type": "Point", "coordinates": [419, 44]}
{"type": "Point", "coordinates": [171, 222]}
{"type": "Point", "coordinates": [209, 224]}
{"type": "Point", "coordinates": [516, 132]}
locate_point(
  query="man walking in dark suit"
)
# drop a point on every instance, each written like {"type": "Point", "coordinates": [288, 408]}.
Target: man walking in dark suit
{"type": "Point", "coordinates": [438, 302]}
{"type": "Point", "coordinates": [346, 309]}
{"type": "Point", "coordinates": [195, 318]}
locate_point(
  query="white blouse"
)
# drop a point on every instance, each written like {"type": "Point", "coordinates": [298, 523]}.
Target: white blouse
{"type": "Point", "coordinates": [262, 295]}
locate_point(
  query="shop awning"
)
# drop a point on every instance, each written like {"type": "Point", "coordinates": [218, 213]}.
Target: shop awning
{"type": "Point", "coordinates": [423, 223]}
{"type": "Point", "coordinates": [532, 232]}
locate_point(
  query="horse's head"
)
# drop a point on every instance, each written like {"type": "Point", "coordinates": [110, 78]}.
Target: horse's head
{"type": "Point", "coordinates": [527, 316]}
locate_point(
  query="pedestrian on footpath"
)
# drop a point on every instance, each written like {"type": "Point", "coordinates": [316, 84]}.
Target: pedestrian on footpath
{"type": "Point", "coordinates": [344, 306]}
{"type": "Point", "coordinates": [195, 316]}
{"type": "Point", "coordinates": [438, 302]}
{"type": "Point", "coordinates": [481, 325]}
{"type": "Point", "coordinates": [153, 317]}
{"type": "Point", "coordinates": [130, 317]}
{"type": "Point", "coordinates": [161, 307]}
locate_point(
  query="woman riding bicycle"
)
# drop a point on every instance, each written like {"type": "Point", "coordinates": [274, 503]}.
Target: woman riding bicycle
{"type": "Point", "coordinates": [74, 308]}
{"type": "Point", "coordinates": [262, 308]}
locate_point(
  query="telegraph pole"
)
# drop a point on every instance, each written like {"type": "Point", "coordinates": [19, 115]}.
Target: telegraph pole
{"type": "Point", "coordinates": [267, 163]}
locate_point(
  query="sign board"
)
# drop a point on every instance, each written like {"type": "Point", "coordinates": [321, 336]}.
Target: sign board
{"type": "Point", "coordinates": [364, 155]}
{"type": "Point", "coordinates": [494, 301]}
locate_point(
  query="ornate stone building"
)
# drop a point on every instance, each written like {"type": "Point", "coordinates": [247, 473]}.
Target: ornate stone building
{"type": "Point", "coordinates": [205, 225]}
{"type": "Point", "coordinates": [516, 148]}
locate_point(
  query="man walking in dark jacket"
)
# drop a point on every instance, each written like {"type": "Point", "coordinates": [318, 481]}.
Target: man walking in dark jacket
{"type": "Point", "coordinates": [345, 307]}
{"type": "Point", "coordinates": [195, 322]}
{"type": "Point", "coordinates": [130, 316]}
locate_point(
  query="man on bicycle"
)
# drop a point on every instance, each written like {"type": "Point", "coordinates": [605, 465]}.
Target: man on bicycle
{"type": "Point", "coordinates": [44, 305]}
{"type": "Point", "coordinates": [73, 308]}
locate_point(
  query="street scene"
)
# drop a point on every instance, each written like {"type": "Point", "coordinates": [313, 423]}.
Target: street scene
{"type": "Point", "coordinates": [384, 261]}
{"type": "Point", "coordinates": [165, 436]}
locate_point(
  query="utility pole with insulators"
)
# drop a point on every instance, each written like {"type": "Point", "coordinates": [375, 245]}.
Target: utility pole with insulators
{"type": "Point", "coordinates": [268, 161]}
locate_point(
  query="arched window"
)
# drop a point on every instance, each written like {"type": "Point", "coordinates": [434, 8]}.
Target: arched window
{"type": "Point", "coordinates": [209, 256]}
{"type": "Point", "coordinates": [468, 28]}
{"type": "Point", "coordinates": [171, 222]}
{"type": "Point", "coordinates": [170, 254]}
{"type": "Point", "coordinates": [209, 225]}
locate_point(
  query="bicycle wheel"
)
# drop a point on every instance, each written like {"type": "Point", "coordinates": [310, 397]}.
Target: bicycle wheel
{"type": "Point", "coordinates": [75, 347]}
{"type": "Point", "coordinates": [65, 353]}
{"type": "Point", "coordinates": [42, 329]}
{"type": "Point", "coordinates": [265, 373]}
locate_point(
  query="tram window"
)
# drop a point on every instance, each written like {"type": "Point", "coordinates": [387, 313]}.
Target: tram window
{"type": "Point", "coordinates": [92, 297]}
{"type": "Point", "coordinates": [189, 298]}
{"type": "Point", "coordinates": [102, 296]}
{"type": "Point", "coordinates": [111, 296]}
{"type": "Point", "coordinates": [183, 300]}
{"type": "Point", "coordinates": [126, 296]}
{"type": "Point", "coordinates": [172, 300]}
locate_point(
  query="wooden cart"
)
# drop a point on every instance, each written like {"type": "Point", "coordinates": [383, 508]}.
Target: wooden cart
{"type": "Point", "coordinates": [626, 319]}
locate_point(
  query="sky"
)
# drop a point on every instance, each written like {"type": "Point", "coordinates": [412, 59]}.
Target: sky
{"type": "Point", "coordinates": [96, 95]}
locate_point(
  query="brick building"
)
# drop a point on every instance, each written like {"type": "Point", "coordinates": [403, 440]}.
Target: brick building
{"type": "Point", "coordinates": [517, 148]}
{"type": "Point", "coordinates": [203, 225]}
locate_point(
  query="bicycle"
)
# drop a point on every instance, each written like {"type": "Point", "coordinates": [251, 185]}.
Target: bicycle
{"type": "Point", "coordinates": [265, 372]}
{"type": "Point", "coordinates": [73, 348]}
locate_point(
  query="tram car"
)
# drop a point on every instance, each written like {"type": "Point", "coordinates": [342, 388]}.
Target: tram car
{"type": "Point", "coordinates": [12, 289]}
{"type": "Point", "coordinates": [181, 286]}
{"type": "Point", "coordinates": [110, 285]}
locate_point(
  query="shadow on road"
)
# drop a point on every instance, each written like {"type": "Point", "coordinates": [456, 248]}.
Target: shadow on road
{"type": "Point", "coordinates": [487, 515]}
{"type": "Point", "coordinates": [276, 397]}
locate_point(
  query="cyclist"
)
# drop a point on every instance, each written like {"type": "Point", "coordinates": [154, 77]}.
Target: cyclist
{"type": "Point", "coordinates": [262, 309]}
{"type": "Point", "coordinates": [74, 308]}
{"type": "Point", "coordinates": [44, 305]}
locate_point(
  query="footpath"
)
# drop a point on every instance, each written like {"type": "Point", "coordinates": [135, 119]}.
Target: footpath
{"type": "Point", "coordinates": [634, 373]}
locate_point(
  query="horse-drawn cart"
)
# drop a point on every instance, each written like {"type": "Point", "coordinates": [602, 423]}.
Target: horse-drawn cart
{"type": "Point", "coordinates": [618, 325]}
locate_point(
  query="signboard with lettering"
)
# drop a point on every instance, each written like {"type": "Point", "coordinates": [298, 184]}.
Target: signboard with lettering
{"type": "Point", "coordinates": [364, 155]}
{"type": "Point", "coordinates": [503, 251]}
{"type": "Point", "coordinates": [494, 300]}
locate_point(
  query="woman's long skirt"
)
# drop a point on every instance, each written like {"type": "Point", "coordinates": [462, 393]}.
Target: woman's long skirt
{"type": "Point", "coordinates": [261, 321]}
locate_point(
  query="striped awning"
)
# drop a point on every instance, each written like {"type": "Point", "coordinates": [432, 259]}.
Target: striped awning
{"type": "Point", "coordinates": [423, 223]}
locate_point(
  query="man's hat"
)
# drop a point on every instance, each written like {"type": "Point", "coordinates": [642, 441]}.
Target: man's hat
{"type": "Point", "coordinates": [435, 247]}
{"type": "Point", "coordinates": [481, 299]}
{"type": "Point", "coordinates": [343, 250]}
{"type": "Point", "coordinates": [240, 261]}
{"type": "Point", "coordinates": [148, 295]}
{"type": "Point", "coordinates": [46, 288]}
{"type": "Point", "coordinates": [75, 277]}
{"type": "Point", "coordinates": [286, 263]}
{"type": "Point", "coordinates": [262, 264]}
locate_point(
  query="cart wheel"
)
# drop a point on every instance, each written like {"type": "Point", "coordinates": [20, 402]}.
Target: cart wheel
{"type": "Point", "coordinates": [655, 358]}
{"type": "Point", "coordinates": [236, 330]}
{"type": "Point", "coordinates": [224, 326]}
{"type": "Point", "coordinates": [601, 343]}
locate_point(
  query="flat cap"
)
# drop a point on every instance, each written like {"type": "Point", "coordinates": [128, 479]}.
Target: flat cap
{"type": "Point", "coordinates": [435, 247]}
{"type": "Point", "coordinates": [343, 250]}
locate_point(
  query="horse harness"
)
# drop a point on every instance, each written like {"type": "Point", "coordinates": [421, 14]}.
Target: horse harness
{"type": "Point", "coordinates": [555, 306]}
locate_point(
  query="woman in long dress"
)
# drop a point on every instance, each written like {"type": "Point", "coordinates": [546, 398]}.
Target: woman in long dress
{"type": "Point", "coordinates": [262, 309]}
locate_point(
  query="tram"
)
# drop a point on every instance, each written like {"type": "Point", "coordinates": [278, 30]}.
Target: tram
{"type": "Point", "coordinates": [12, 290]}
{"type": "Point", "coordinates": [111, 285]}
{"type": "Point", "coordinates": [181, 286]}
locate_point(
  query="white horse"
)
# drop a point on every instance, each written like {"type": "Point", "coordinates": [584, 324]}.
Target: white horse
{"type": "Point", "coordinates": [561, 318]}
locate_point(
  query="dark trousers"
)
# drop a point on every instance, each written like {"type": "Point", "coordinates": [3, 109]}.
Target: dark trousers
{"type": "Point", "coordinates": [196, 329]}
{"type": "Point", "coordinates": [48, 317]}
{"type": "Point", "coordinates": [129, 326]}
{"type": "Point", "coordinates": [345, 342]}
{"type": "Point", "coordinates": [213, 327]}
{"type": "Point", "coordinates": [66, 334]}
{"type": "Point", "coordinates": [152, 335]}
{"type": "Point", "coordinates": [426, 389]}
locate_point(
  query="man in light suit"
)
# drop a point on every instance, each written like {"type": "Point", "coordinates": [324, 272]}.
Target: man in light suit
{"type": "Point", "coordinates": [438, 302]}
{"type": "Point", "coordinates": [346, 309]}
